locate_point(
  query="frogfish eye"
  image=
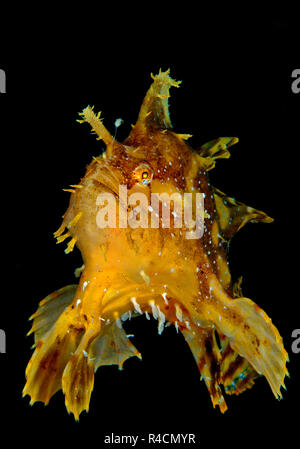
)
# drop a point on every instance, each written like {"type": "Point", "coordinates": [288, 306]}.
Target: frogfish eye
{"type": "Point", "coordinates": [143, 174]}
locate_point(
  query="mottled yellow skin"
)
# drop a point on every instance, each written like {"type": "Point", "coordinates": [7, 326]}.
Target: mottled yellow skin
{"type": "Point", "coordinates": [185, 282]}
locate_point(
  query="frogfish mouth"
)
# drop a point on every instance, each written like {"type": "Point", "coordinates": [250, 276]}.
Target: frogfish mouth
{"type": "Point", "coordinates": [151, 267]}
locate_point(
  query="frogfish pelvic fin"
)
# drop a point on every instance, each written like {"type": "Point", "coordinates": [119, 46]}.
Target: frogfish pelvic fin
{"type": "Point", "coordinates": [151, 270]}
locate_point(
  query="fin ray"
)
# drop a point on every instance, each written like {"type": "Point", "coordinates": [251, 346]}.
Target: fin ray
{"type": "Point", "coordinates": [233, 215]}
{"type": "Point", "coordinates": [52, 353]}
{"type": "Point", "coordinates": [50, 309]}
{"type": "Point", "coordinates": [113, 347]}
{"type": "Point", "coordinates": [253, 336]}
{"type": "Point", "coordinates": [154, 112]}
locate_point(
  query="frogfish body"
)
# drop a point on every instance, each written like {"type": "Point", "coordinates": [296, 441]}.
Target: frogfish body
{"type": "Point", "coordinates": [152, 270]}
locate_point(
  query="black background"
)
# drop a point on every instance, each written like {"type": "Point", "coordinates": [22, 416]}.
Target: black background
{"type": "Point", "coordinates": [236, 74]}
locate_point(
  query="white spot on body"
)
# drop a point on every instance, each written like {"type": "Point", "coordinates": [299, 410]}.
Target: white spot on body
{"type": "Point", "coordinates": [145, 277]}
{"type": "Point", "coordinates": [164, 295]}
{"type": "Point", "coordinates": [188, 325]}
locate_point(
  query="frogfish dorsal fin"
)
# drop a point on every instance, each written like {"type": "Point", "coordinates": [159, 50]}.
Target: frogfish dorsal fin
{"type": "Point", "coordinates": [215, 149]}
{"type": "Point", "coordinates": [154, 112]}
{"type": "Point", "coordinates": [233, 215]}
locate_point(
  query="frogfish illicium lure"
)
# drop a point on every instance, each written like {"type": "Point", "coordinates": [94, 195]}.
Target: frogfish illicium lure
{"type": "Point", "coordinates": [152, 270]}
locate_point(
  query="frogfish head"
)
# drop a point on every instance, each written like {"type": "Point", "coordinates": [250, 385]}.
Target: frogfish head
{"type": "Point", "coordinates": [132, 227]}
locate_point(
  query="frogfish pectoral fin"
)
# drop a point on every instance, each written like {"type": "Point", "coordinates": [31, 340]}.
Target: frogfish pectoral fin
{"type": "Point", "coordinates": [68, 351]}
{"type": "Point", "coordinates": [113, 347]}
{"type": "Point", "coordinates": [251, 335]}
{"type": "Point", "coordinates": [257, 339]}
{"type": "Point", "coordinates": [55, 340]}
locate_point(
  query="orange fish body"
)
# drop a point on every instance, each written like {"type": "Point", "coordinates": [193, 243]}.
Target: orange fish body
{"type": "Point", "coordinates": [151, 269]}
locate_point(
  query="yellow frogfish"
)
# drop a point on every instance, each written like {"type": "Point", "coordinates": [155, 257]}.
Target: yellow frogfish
{"type": "Point", "coordinates": [156, 269]}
